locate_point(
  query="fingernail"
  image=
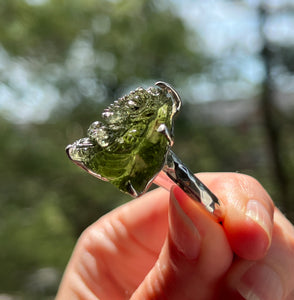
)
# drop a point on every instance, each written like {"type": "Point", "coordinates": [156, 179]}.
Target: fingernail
{"type": "Point", "coordinates": [183, 232]}
{"type": "Point", "coordinates": [260, 282]}
{"type": "Point", "coordinates": [258, 213]}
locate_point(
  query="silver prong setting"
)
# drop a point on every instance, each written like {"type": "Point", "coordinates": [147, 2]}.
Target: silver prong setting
{"type": "Point", "coordinates": [175, 96]}
{"type": "Point", "coordinates": [162, 128]}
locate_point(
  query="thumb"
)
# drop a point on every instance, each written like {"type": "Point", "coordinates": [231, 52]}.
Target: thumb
{"type": "Point", "coordinates": [188, 265]}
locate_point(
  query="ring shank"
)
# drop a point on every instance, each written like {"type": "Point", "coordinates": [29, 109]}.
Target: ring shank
{"type": "Point", "coordinates": [175, 172]}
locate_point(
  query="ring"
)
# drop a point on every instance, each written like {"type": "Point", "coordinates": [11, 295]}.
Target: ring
{"type": "Point", "coordinates": [131, 146]}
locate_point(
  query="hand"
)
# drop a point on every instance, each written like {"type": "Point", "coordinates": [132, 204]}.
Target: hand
{"type": "Point", "coordinates": [165, 246]}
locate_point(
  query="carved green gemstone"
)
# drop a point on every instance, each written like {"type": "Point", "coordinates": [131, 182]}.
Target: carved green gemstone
{"type": "Point", "coordinates": [128, 147]}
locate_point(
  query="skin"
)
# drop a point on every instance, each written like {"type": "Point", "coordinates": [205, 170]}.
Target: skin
{"type": "Point", "coordinates": [163, 245]}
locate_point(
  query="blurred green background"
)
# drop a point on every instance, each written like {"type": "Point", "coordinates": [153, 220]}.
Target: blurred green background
{"type": "Point", "coordinates": [63, 61]}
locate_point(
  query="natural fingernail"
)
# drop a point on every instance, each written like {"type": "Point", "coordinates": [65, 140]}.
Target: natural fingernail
{"type": "Point", "coordinates": [260, 282]}
{"type": "Point", "coordinates": [183, 232]}
{"type": "Point", "coordinates": [257, 212]}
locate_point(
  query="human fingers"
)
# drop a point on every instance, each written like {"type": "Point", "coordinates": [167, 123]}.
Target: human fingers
{"type": "Point", "coordinates": [114, 254]}
{"type": "Point", "coordinates": [247, 212]}
{"type": "Point", "coordinates": [246, 208]}
{"type": "Point", "coordinates": [271, 278]}
{"type": "Point", "coordinates": [194, 257]}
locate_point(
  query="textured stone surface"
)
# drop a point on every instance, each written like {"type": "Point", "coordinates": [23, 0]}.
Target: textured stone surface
{"type": "Point", "coordinates": [128, 147]}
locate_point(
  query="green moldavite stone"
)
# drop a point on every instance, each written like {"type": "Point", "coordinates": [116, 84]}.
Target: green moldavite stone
{"type": "Point", "coordinates": [129, 146]}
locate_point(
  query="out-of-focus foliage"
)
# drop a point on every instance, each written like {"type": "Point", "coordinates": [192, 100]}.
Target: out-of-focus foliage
{"type": "Point", "coordinates": [110, 43]}
{"type": "Point", "coordinates": [89, 53]}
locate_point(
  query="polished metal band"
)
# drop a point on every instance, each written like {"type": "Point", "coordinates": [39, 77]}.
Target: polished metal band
{"type": "Point", "coordinates": [190, 184]}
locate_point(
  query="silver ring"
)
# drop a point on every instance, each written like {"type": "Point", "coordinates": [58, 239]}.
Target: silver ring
{"type": "Point", "coordinates": [137, 132]}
